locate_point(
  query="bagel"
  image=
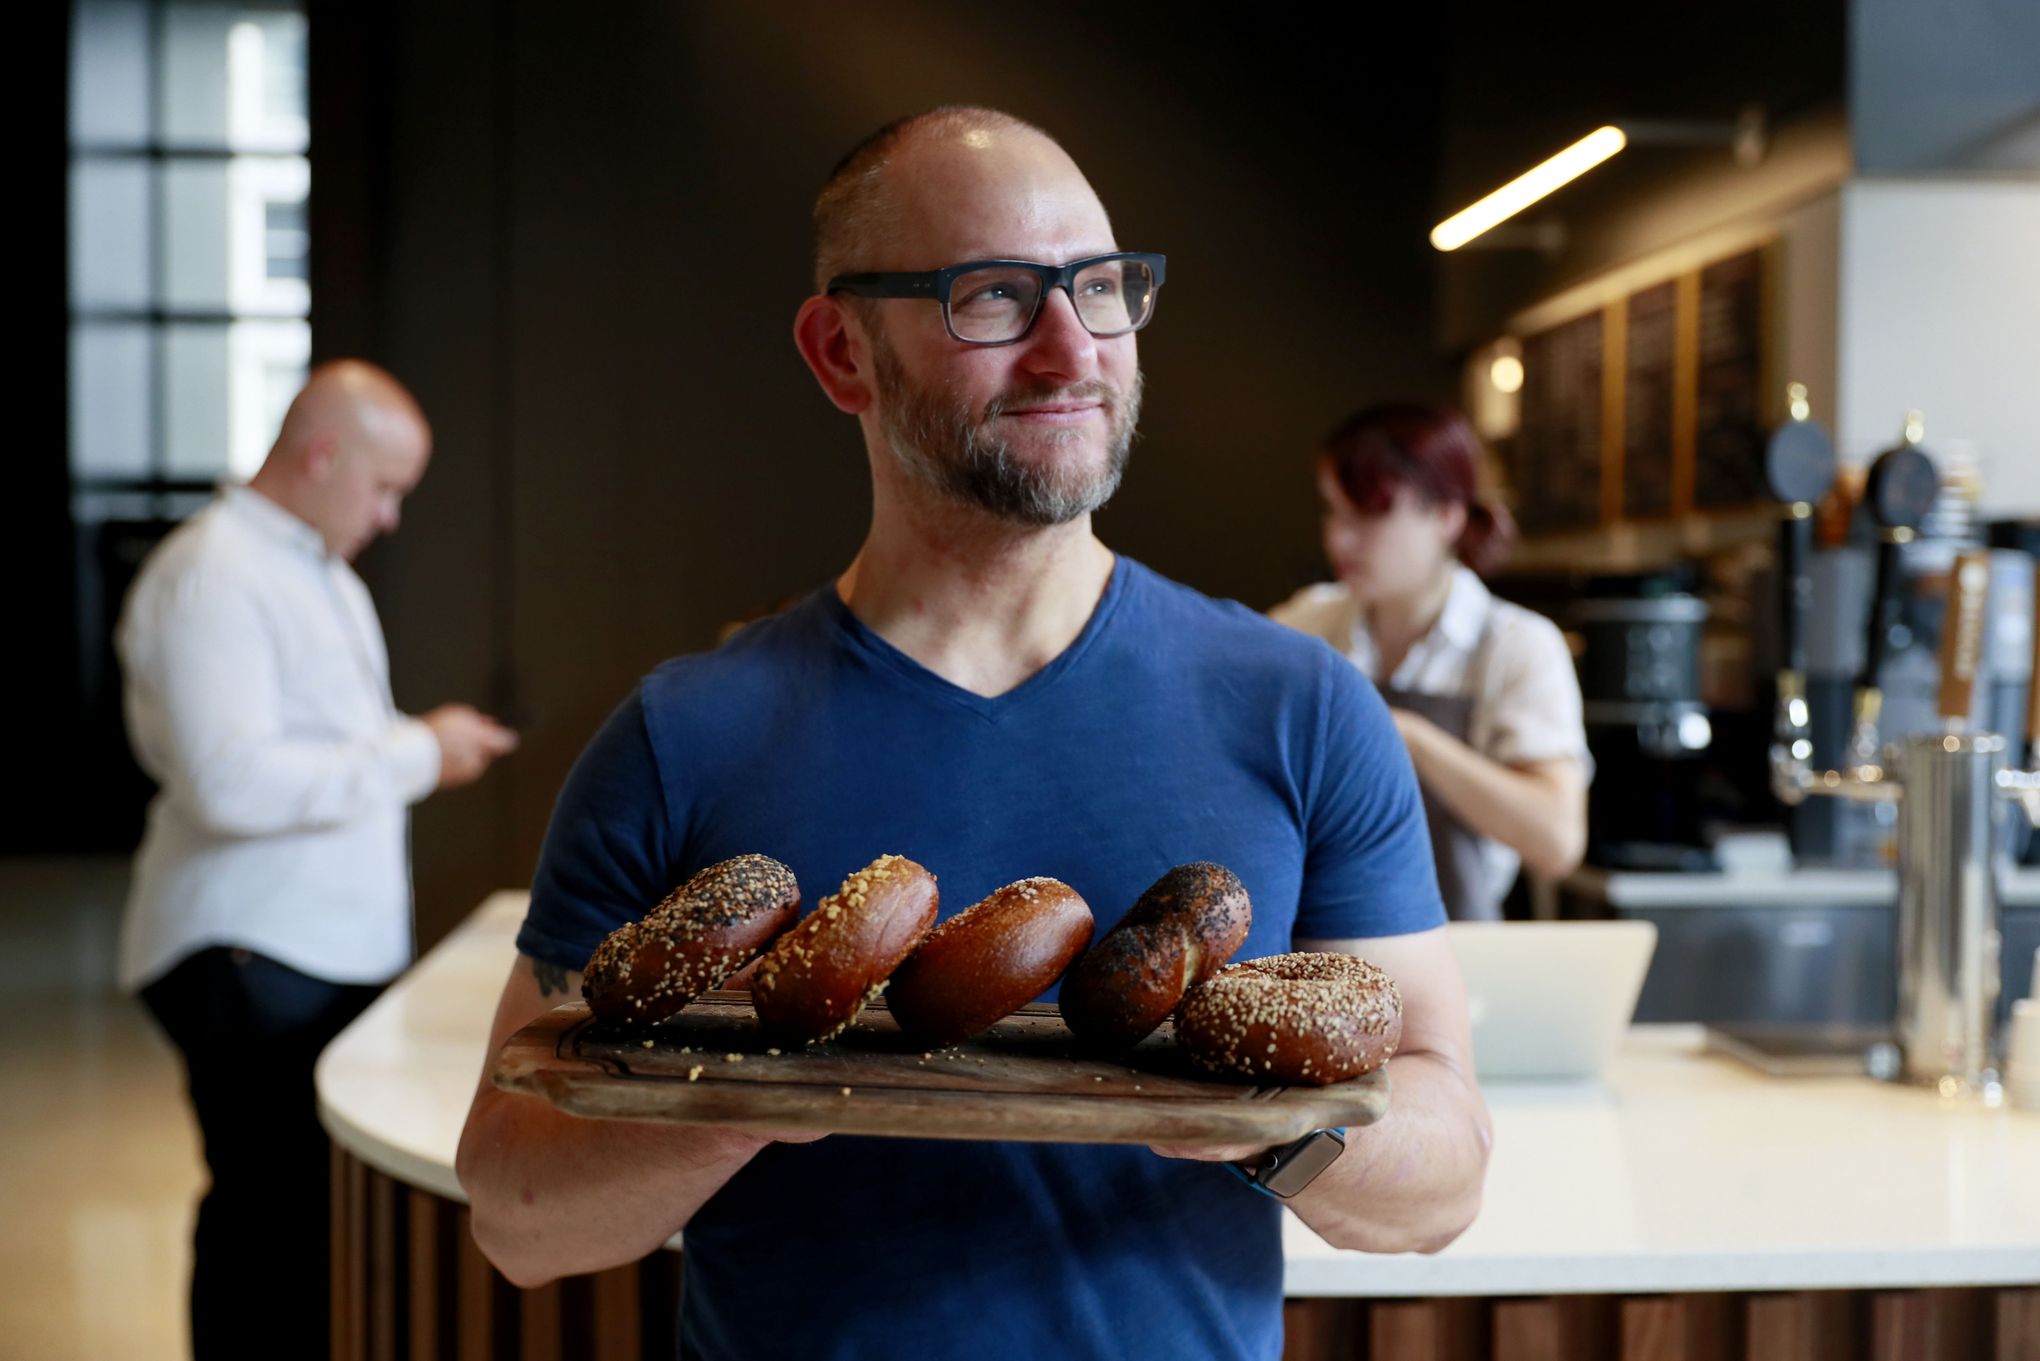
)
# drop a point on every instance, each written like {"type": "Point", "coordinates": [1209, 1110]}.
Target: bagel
{"type": "Point", "coordinates": [816, 978]}
{"type": "Point", "coordinates": [1180, 932]}
{"type": "Point", "coordinates": [691, 941]}
{"type": "Point", "coordinates": [990, 959]}
{"type": "Point", "coordinates": [1294, 1020]}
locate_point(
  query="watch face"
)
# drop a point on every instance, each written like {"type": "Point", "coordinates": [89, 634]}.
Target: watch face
{"type": "Point", "coordinates": [1302, 1161]}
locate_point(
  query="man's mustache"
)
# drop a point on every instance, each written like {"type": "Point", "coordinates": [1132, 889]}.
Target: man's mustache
{"type": "Point", "coordinates": [1093, 391]}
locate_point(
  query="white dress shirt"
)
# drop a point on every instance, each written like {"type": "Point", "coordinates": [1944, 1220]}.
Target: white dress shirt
{"type": "Point", "coordinates": [1526, 699]}
{"type": "Point", "coordinates": [257, 695]}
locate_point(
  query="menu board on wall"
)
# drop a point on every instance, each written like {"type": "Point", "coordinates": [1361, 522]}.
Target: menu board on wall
{"type": "Point", "coordinates": [1729, 439]}
{"type": "Point", "coordinates": [1647, 402]}
{"type": "Point", "coordinates": [1685, 390]}
{"type": "Point", "coordinates": [1556, 468]}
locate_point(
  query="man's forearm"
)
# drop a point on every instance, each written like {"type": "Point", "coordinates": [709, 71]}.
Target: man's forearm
{"type": "Point", "coordinates": [554, 1195]}
{"type": "Point", "coordinates": [1411, 1182]}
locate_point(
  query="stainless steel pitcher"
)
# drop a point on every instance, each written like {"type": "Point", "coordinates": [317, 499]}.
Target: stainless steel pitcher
{"type": "Point", "coordinates": [1948, 938]}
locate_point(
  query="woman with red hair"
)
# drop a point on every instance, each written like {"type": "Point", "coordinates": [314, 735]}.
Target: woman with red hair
{"type": "Point", "coordinates": [1483, 691]}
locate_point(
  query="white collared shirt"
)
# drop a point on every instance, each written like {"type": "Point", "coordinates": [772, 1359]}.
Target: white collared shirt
{"type": "Point", "coordinates": [1526, 699]}
{"type": "Point", "coordinates": [257, 695]}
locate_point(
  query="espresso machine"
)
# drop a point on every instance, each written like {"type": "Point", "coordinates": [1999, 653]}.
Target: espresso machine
{"type": "Point", "coordinates": [1948, 783]}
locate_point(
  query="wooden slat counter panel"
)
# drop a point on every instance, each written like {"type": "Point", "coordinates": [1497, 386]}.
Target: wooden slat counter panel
{"type": "Point", "coordinates": [1808, 1325]}
{"type": "Point", "coordinates": [1681, 1328]}
{"type": "Point", "coordinates": [1558, 1328]}
{"type": "Point", "coordinates": [410, 1285]}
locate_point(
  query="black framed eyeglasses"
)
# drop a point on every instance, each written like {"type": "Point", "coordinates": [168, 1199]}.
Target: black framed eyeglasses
{"type": "Point", "coordinates": [995, 302]}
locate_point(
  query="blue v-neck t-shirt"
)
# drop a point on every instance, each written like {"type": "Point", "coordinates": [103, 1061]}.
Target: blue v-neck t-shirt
{"type": "Point", "coordinates": [1175, 728]}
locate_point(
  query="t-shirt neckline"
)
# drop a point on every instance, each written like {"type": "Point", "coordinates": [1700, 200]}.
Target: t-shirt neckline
{"type": "Point", "coordinates": [866, 641]}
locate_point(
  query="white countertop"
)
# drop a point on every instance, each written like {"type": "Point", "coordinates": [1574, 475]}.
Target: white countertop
{"type": "Point", "coordinates": [1784, 887]}
{"type": "Point", "coordinates": [395, 1086]}
{"type": "Point", "coordinates": [1683, 1173]}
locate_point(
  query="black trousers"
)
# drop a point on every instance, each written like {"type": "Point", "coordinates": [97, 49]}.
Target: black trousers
{"type": "Point", "coordinates": [250, 1030]}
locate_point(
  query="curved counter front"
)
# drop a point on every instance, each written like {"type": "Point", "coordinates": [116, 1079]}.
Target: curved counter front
{"type": "Point", "coordinates": [1689, 1208]}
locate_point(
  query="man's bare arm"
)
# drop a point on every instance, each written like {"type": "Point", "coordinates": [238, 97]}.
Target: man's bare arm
{"type": "Point", "coordinates": [1412, 1181]}
{"type": "Point", "coordinates": [554, 1195]}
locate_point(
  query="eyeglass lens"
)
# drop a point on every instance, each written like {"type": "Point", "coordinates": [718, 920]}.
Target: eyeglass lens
{"type": "Point", "coordinates": [998, 303]}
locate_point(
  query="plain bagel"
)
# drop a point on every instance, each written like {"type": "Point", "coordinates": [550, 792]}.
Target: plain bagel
{"type": "Point", "coordinates": [989, 959]}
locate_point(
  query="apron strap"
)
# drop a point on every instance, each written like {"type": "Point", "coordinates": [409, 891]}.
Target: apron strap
{"type": "Point", "coordinates": [1456, 849]}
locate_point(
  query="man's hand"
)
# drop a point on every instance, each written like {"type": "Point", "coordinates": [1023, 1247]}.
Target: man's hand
{"type": "Point", "coordinates": [553, 1194]}
{"type": "Point", "coordinates": [468, 741]}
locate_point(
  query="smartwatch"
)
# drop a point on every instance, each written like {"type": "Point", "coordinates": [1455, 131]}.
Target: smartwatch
{"type": "Point", "coordinates": [1288, 1168]}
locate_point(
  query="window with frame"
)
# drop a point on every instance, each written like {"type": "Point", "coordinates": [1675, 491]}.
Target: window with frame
{"type": "Point", "coordinates": [190, 301]}
{"type": "Point", "coordinates": [190, 298]}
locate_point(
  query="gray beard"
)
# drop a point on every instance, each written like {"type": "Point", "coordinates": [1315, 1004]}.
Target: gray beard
{"type": "Point", "coordinates": [940, 446]}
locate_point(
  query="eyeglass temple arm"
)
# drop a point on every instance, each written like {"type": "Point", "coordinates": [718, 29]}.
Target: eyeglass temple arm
{"type": "Point", "coordinates": [884, 285]}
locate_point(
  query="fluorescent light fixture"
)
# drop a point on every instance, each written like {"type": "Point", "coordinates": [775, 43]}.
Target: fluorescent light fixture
{"type": "Point", "coordinates": [1528, 187]}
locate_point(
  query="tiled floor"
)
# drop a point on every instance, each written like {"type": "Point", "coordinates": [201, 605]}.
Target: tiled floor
{"type": "Point", "coordinates": [100, 1168]}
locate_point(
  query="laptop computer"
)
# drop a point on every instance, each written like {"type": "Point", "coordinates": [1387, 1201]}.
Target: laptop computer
{"type": "Point", "coordinates": [1550, 999]}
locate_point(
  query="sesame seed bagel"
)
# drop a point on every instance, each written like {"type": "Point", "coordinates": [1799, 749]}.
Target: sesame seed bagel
{"type": "Point", "coordinates": [1179, 933]}
{"type": "Point", "coordinates": [1296, 1020]}
{"type": "Point", "coordinates": [818, 976]}
{"type": "Point", "coordinates": [696, 937]}
{"type": "Point", "coordinates": [993, 957]}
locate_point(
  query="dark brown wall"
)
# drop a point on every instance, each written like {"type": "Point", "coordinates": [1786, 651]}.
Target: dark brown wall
{"type": "Point", "coordinates": [582, 241]}
{"type": "Point", "coordinates": [1520, 87]}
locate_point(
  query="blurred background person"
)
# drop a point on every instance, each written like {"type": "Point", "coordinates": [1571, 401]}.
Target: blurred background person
{"type": "Point", "coordinates": [272, 893]}
{"type": "Point", "coordinates": [1483, 691]}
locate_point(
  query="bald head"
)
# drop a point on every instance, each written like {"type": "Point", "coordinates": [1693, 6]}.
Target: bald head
{"type": "Point", "coordinates": [883, 194]}
{"type": "Point", "coordinates": [351, 400]}
{"type": "Point", "coordinates": [353, 444]}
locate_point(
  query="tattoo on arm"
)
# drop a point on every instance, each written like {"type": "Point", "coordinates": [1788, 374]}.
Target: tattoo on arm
{"type": "Point", "coordinates": [551, 978]}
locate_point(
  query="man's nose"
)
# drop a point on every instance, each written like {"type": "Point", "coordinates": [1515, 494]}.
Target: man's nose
{"type": "Point", "coordinates": [1059, 343]}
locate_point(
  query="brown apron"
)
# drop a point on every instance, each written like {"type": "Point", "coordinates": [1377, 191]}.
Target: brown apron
{"type": "Point", "coordinates": [1462, 869]}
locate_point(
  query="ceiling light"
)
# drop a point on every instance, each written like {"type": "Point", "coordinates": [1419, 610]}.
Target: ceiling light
{"type": "Point", "coordinates": [1528, 187]}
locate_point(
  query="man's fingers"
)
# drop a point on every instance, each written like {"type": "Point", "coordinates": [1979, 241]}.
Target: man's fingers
{"type": "Point", "coordinates": [1219, 1153]}
{"type": "Point", "coordinates": [787, 1136]}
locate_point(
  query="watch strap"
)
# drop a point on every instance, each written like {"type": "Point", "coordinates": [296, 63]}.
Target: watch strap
{"type": "Point", "coordinates": [1277, 1171]}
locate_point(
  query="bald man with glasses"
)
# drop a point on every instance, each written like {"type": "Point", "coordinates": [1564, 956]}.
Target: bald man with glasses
{"type": "Point", "coordinates": [990, 690]}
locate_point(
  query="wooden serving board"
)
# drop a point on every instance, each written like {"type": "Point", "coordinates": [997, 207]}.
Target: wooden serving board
{"type": "Point", "coordinates": [1022, 1080]}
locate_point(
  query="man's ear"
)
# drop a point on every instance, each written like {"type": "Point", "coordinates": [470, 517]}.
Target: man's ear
{"type": "Point", "coordinates": [322, 453]}
{"type": "Point", "coordinates": [836, 353]}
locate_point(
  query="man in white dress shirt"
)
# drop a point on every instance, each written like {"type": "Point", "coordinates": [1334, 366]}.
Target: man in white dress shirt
{"type": "Point", "coordinates": [272, 889]}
